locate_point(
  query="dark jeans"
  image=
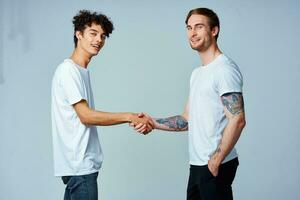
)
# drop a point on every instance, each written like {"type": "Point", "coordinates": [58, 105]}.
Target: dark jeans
{"type": "Point", "coordinates": [82, 187]}
{"type": "Point", "coordinates": [204, 186]}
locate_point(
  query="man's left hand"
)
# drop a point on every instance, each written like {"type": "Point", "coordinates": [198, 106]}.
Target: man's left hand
{"type": "Point", "coordinates": [213, 165]}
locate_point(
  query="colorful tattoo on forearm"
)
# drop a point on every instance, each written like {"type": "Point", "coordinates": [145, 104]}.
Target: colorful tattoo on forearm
{"type": "Point", "coordinates": [176, 123]}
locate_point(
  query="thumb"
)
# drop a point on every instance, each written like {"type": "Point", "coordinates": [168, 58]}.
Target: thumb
{"type": "Point", "coordinates": [141, 114]}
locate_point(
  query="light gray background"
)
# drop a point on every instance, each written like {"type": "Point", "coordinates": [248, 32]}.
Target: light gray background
{"type": "Point", "coordinates": [145, 66]}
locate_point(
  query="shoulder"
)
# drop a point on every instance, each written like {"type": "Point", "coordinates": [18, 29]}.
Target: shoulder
{"type": "Point", "coordinates": [65, 73]}
{"type": "Point", "coordinates": [66, 68]}
{"type": "Point", "coordinates": [228, 68]}
{"type": "Point", "coordinates": [195, 72]}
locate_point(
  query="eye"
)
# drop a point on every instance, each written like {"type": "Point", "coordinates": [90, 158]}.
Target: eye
{"type": "Point", "coordinates": [103, 37]}
{"type": "Point", "coordinates": [93, 34]}
{"type": "Point", "coordinates": [199, 27]}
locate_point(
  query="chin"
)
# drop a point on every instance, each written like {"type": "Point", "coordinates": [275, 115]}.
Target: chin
{"type": "Point", "coordinates": [195, 47]}
{"type": "Point", "coordinates": [199, 47]}
{"type": "Point", "coordinates": [94, 53]}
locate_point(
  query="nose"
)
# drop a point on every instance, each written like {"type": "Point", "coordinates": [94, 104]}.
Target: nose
{"type": "Point", "coordinates": [99, 38]}
{"type": "Point", "coordinates": [193, 32]}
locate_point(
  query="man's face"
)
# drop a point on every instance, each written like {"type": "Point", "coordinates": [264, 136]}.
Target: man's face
{"type": "Point", "coordinates": [92, 39]}
{"type": "Point", "coordinates": [200, 35]}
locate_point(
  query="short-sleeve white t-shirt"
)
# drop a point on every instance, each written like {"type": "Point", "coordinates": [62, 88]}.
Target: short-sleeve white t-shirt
{"type": "Point", "coordinates": [207, 119]}
{"type": "Point", "coordinates": [76, 147]}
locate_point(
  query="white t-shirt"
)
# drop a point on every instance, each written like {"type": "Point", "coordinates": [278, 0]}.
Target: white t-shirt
{"type": "Point", "coordinates": [76, 147]}
{"type": "Point", "coordinates": [207, 119]}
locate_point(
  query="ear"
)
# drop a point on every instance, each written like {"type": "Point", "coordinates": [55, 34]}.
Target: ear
{"type": "Point", "coordinates": [215, 30]}
{"type": "Point", "coordinates": [78, 35]}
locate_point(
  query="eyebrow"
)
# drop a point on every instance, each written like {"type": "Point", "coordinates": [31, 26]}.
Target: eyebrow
{"type": "Point", "coordinates": [94, 30]}
{"type": "Point", "coordinates": [196, 25]}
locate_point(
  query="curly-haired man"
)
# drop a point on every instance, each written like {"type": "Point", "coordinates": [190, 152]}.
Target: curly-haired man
{"type": "Point", "coordinates": [77, 150]}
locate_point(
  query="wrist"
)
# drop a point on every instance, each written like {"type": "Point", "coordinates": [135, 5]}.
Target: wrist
{"type": "Point", "coordinates": [218, 158]}
{"type": "Point", "coordinates": [156, 125]}
{"type": "Point", "coordinates": [129, 117]}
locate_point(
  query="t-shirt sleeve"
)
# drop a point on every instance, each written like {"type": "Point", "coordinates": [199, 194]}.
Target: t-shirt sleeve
{"type": "Point", "coordinates": [72, 85]}
{"type": "Point", "coordinates": [229, 79]}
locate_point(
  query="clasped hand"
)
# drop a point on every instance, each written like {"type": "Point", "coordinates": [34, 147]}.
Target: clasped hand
{"type": "Point", "coordinates": [142, 123]}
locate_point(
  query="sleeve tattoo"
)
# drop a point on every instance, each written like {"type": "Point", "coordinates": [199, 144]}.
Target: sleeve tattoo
{"type": "Point", "coordinates": [175, 123]}
{"type": "Point", "coordinates": [234, 102]}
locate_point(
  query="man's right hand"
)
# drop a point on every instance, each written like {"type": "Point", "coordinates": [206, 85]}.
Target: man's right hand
{"type": "Point", "coordinates": [142, 123]}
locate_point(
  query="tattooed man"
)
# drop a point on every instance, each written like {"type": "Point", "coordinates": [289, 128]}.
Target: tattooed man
{"type": "Point", "coordinates": [214, 114]}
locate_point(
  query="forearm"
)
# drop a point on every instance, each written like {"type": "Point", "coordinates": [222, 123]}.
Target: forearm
{"type": "Point", "coordinates": [100, 118]}
{"type": "Point", "coordinates": [175, 123]}
{"type": "Point", "coordinates": [230, 137]}
{"type": "Point", "coordinates": [234, 111]}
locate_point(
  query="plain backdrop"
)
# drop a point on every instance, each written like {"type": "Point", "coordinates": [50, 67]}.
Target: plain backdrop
{"type": "Point", "coordinates": [145, 66]}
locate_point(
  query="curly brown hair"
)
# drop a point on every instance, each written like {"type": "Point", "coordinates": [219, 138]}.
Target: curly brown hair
{"type": "Point", "coordinates": [85, 18]}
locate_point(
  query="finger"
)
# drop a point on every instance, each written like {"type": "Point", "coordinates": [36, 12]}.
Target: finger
{"type": "Point", "coordinates": [141, 115]}
{"type": "Point", "coordinates": [138, 126]}
{"type": "Point", "coordinates": [215, 173]}
{"type": "Point", "coordinates": [142, 132]}
{"type": "Point", "coordinates": [210, 168]}
{"type": "Point", "coordinates": [145, 133]}
{"type": "Point", "coordinates": [150, 122]}
{"type": "Point", "coordinates": [131, 124]}
{"type": "Point", "coordinates": [149, 128]}
{"type": "Point", "coordinates": [141, 129]}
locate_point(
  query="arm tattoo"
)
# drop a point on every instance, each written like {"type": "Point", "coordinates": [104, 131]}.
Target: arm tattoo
{"type": "Point", "coordinates": [218, 150]}
{"type": "Point", "coordinates": [234, 102]}
{"type": "Point", "coordinates": [175, 123]}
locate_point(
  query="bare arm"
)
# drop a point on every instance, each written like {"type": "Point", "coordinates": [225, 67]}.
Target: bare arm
{"type": "Point", "coordinates": [175, 123]}
{"type": "Point", "coordinates": [234, 111]}
{"type": "Point", "coordinates": [89, 116]}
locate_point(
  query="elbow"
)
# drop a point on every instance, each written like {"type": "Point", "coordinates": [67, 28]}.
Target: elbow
{"type": "Point", "coordinates": [241, 123]}
{"type": "Point", "coordinates": [85, 120]}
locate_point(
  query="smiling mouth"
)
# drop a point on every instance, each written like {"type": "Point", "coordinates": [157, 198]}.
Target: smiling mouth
{"type": "Point", "coordinates": [97, 46]}
{"type": "Point", "coordinates": [195, 40]}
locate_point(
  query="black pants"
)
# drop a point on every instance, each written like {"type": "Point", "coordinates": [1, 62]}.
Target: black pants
{"type": "Point", "coordinates": [204, 186]}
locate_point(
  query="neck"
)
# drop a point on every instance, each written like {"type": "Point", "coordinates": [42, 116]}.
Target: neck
{"type": "Point", "coordinates": [209, 54]}
{"type": "Point", "coordinates": [81, 57]}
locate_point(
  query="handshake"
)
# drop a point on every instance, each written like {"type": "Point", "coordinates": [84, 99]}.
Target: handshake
{"type": "Point", "coordinates": [142, 123]}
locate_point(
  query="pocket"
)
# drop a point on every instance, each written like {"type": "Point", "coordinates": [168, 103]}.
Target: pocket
{"type": "Point", "coordinates": [75, 182]}
{"type": "Point", "coordinates": [65, 179]}
{"type": "Point", "coordinates": [209, 173]}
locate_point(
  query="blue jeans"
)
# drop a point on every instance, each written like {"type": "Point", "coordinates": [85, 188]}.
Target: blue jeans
{"type": "Point", "coordinates": [82, 187]}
